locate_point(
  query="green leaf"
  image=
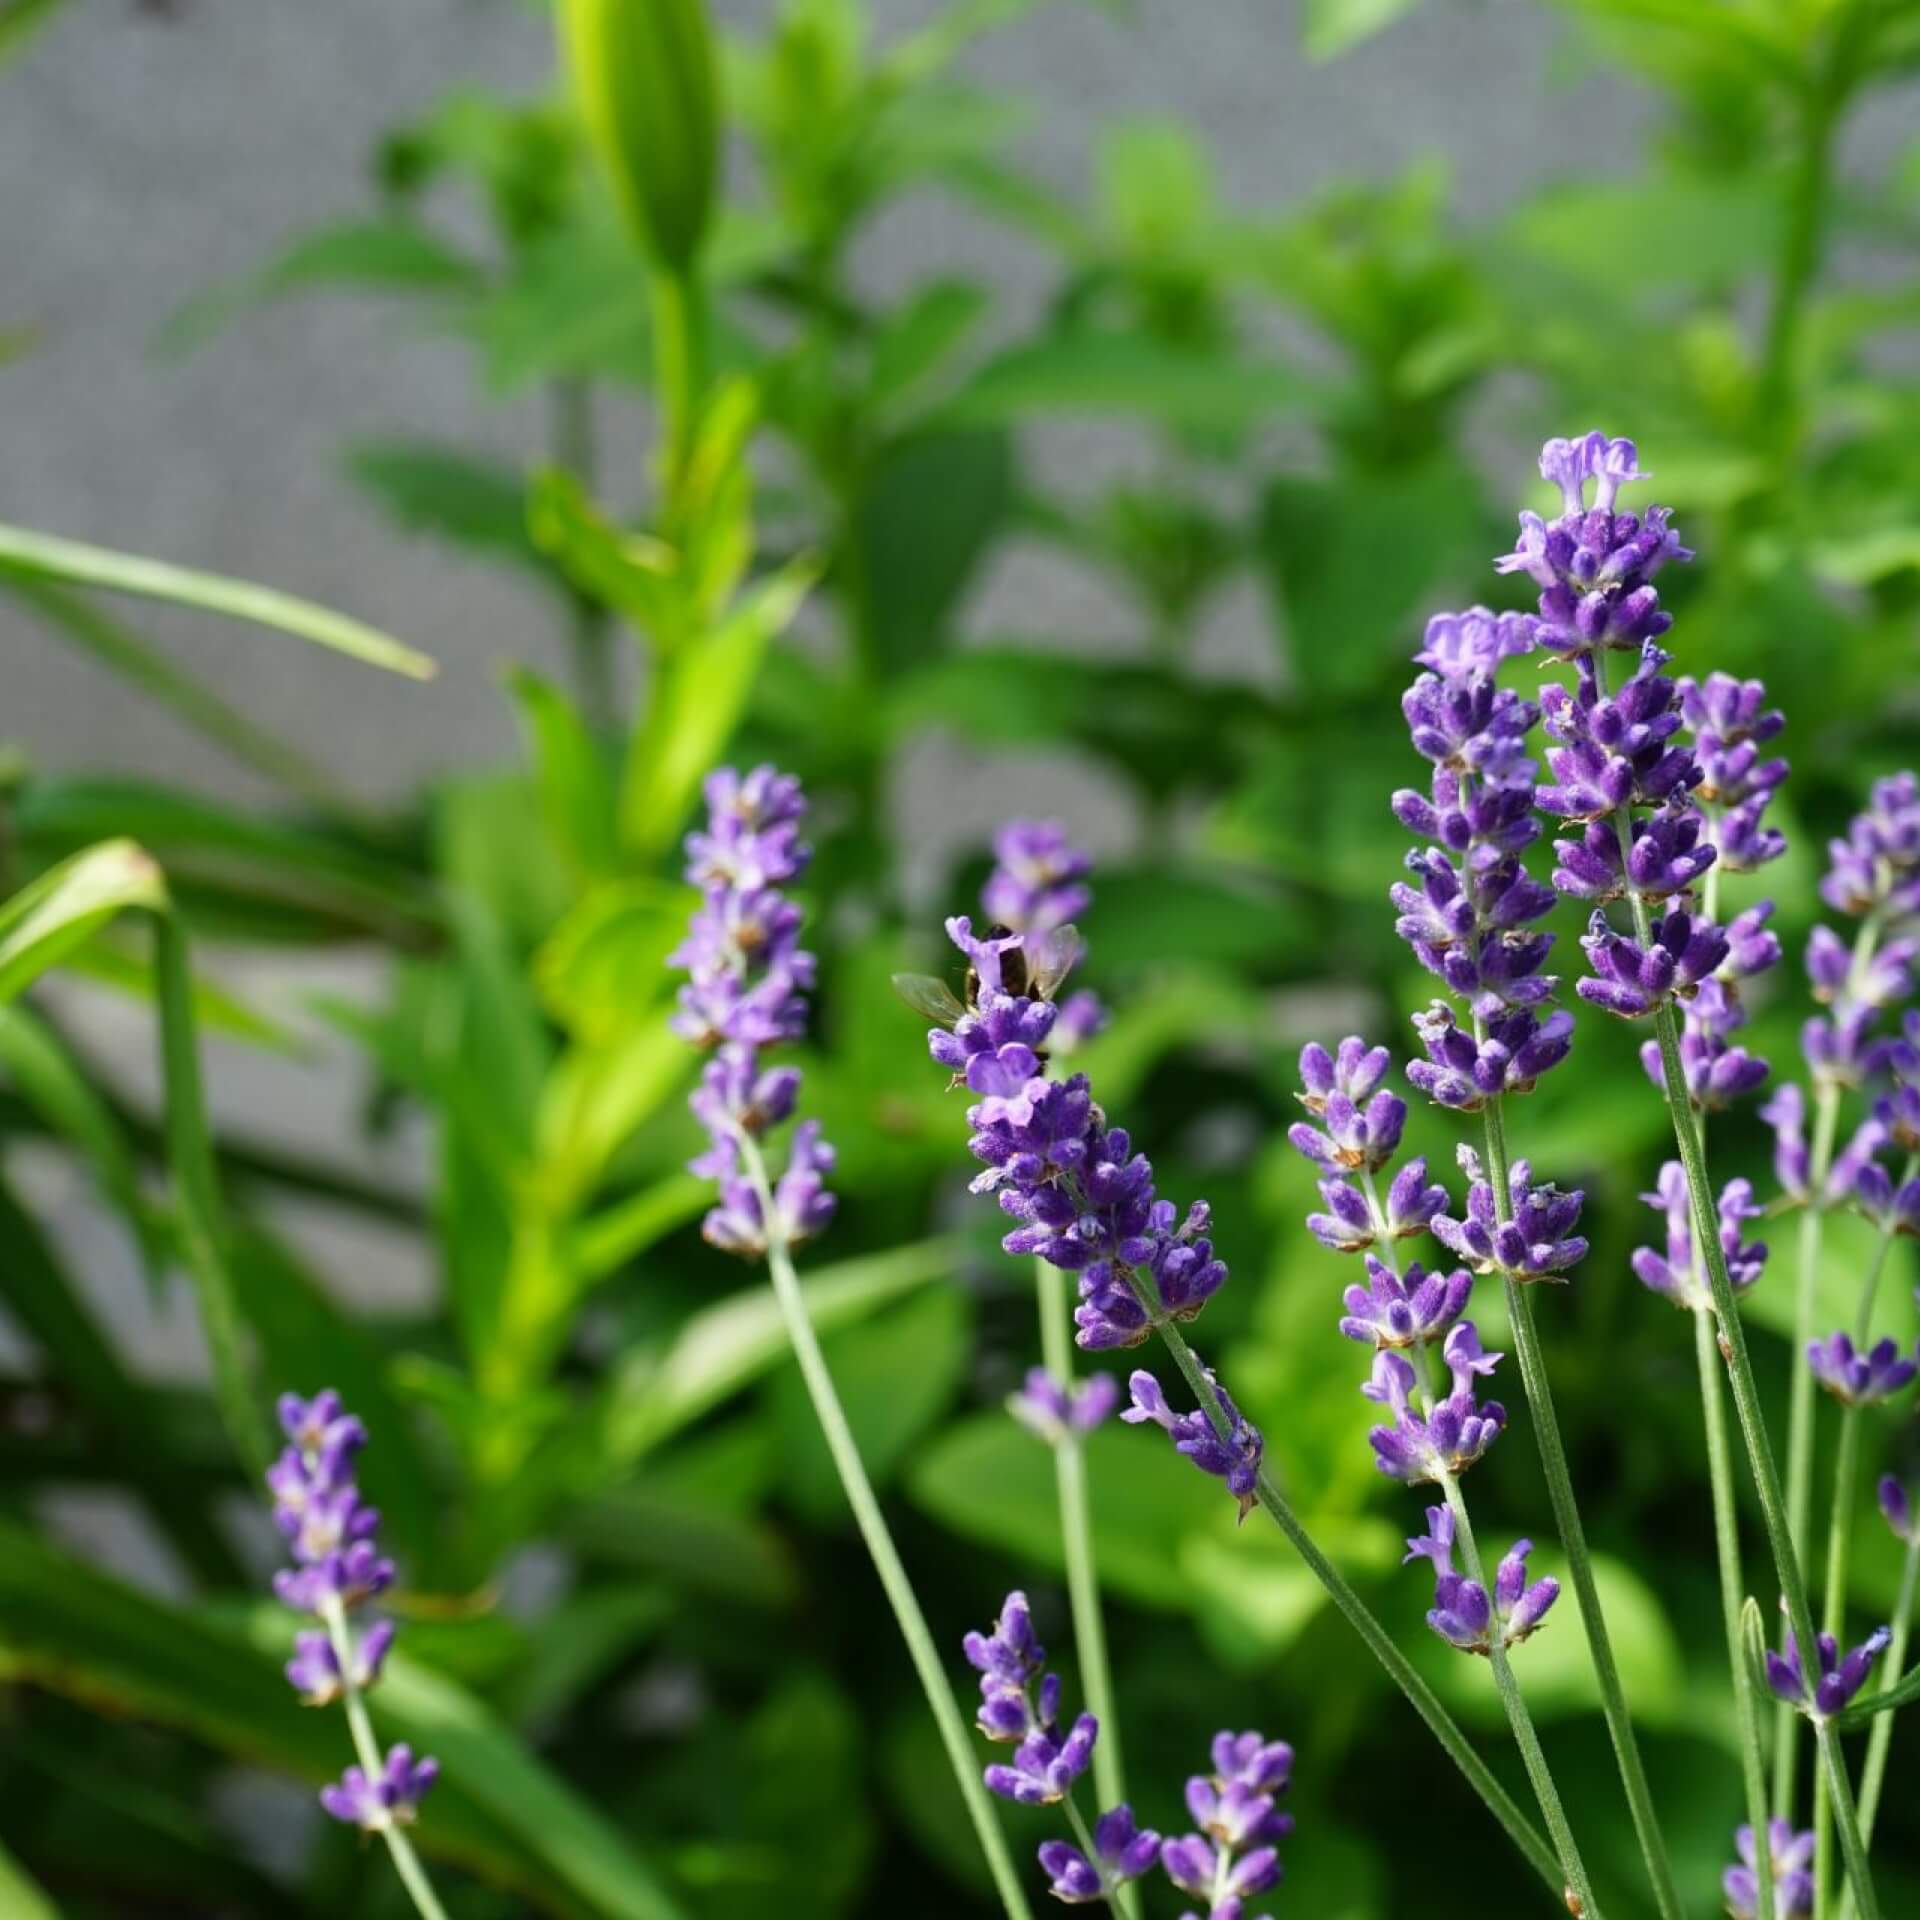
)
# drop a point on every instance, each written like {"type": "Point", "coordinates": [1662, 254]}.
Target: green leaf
{"type": "Point", "coordinates": [701, 691]}
{"type": "Point", "coordinates": [1330, 28]}
{"type": "Point", "coordinates": [44, 556]}
{"type": "Point", "coordinates": [51, 916]}
{"type": "Point", "coordinates": [895, 1374]}
{"type": "Point", "coordinates": [123, 652]}
{"type": "Point", "coordinates": [602, 970]}
{"type": "Point", "coordinates": [627, 1228]}
{"type": "Point", "coordinates": [578, 302]}
{"type": "Point", "coordinates": [392, 255]}
{"type": "Point", "coordinates": [1710, 231]}
{"type": "Point", "coordinates": [630, 572]}
{"type": "Point", "coordinates": [659, 1389]}
{"type": "Point", "coordinates": [1901, 1693]}
{"type": "Point", "coordinates": [990, 1480]}
{"type": "Point", "coordinates": [496, 1808]}
{"type": "Point", "coordinates": [572, 778]}
{"type": "Point", "coordinates": [679, 1537]}
{"type": "Point", "coordinates": [20, 1898]}
{"type": "Point", "coordinates": [1090, 375]}
{"type": "Point", "coordinates": [931, 505]}
{"type": "Point", "coordinates": [1350, 565]}
{"type": "Point", "coordinates": [644, 78]}
{"type": "Point", "coordinates": [917, 341]}
{"type": "Point", "coordinates": [450, 493]}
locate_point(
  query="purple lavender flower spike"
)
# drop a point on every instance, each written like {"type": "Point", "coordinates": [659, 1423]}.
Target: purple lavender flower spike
{"type": "Point", "coordinates": [1057, 1411]}
{"type": "Point", "coordinates": [1355, 1135]}
{"type": "Point", "coordinates": [1515, 1048]}
{"type": "Point", "coordinates": [1631, 980]}
{"type": "Point", "coordinates": [747, 987]}
{"type": "Point", "coordinates": [1791, 1855]}
{"type": "Point", "coordinates": [1463, 1614]}
{"type": "Point", "coordinates": [1045, 1765]}
{"type": "Point", "coordinates": [1235, 1855]}
{"type": "Point", "coordinates": [1537, 1243]}
{"type": "Point", "coordinates": [1038, 880]}
{"type": "Point", "coordinates": [1677, 1274]}
{"type": "Point", "coordinates": [1354, 1072]}
{"type": "Point", "coordinates": [1838, 1679]}
{"type": "Point", "coordinates": [392, 1798]}
{"type": "Point", "coordinates": [1877, 863]}
{"type": "Point", "coordinates": [1234, 1458]}
{"type": "Point", "coordinates": [1122, 1851]}
{"type": "Point", "coordinates": [1411, 1311]}
{"type": "Point", "coordinates": [1858, 1379]}
{"type": "Point", "coordinates": [1454, 1432]}
{"type": "Point", "coordinates": [1896, 1508]}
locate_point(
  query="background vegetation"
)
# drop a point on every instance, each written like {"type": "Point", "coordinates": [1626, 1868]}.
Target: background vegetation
{"type": "Point", "coordinates": [641, 1634]}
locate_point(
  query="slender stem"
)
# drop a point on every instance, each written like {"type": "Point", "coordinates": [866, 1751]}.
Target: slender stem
{"type": "Point", "coordinates": [1526, 1735]}
{"type": "Point", "coordinates": [1846, 1818]}
{"type": "Point", "coordinates": [1573, 1540]}
{"type": "Point", "coordinates": [1726, 1528]}
{"type": "Point", "coordinates": [1753, 1426]}
{"type": "Point", "coordinates": [879, 1540]}
{"type": "Point", "coordinates": [1518, 1828]}
{"type": "Point", "coordinates": [1873, 1778]}
{"type": "Point", "coordinates": [678, 375]}
{"type": "Point", "coordinates": [406, 1863]}
{"type": "Point", "coordinates": [1076, 1542]}
{"type": "Point", "coordinates": [571, 438]}
{"type": "Point", "coordinates": [1846, 1474]}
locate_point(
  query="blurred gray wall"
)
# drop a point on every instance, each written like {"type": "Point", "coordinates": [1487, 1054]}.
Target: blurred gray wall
{"type": "Point", "coordinates": [147, 151]}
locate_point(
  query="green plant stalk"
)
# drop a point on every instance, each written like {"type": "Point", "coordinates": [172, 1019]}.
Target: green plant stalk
{"type": "Point", "coordinates": [570, 435]}
{"type": "Point", "coordinates": [678, 375]}
{"type": "Point", "coordinates": [1421, 1697]}
{"type": "Point", "coordinates": [1846, 1490]}
{"type": "Point", "coordinates": [1573, 1540]}
{"type": "Point", "coordinates": [406, 1863]}
{"type": "Point", "coordinates": [1526, 1736]}
{"type": "Point", "coordinates": [1753, 1427]}
{"type": "Point", "coordinates": [200, 1219]}
{"type": "Point", "coordinates": [1076, 1543]}
{"type": "Point", "coordinates": [879, 1540]}
{"type": "Point", "coordinates": [1874, 1777]}
{"type": "Point", "coordinates": [1726, 1529]}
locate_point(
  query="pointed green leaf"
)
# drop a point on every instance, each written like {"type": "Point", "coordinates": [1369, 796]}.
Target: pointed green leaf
{"type": "Point", "coordinates": [45, 556]}
{"type": "Point", "coordinates": [51, 916]}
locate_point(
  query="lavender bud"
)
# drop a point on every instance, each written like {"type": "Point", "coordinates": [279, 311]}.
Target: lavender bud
{"type": "Point", "coordinates": [1838, 1679]}
{"type": "Point", "coordinates": [1233, 1457]}
{"type": "Point", "coordinates": [1057, 1411]}
{"type": "Point", "coordinates": [1791, 1857]}
{"type": "Point", "coordinates": [1860, 1379]}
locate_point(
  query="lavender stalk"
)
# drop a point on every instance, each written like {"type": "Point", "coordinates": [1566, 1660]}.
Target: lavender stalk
{"type": "Point", "coordinates": [747, 990]}
{"type": "Point", "coordinates": [330, 1532]}
{"type": "Point", "coordinates": [1897, 1507]}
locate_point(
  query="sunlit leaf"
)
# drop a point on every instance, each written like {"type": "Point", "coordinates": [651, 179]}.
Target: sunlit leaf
{"type": "Point", "coordinates": [1330, 28]}
{"type": "Point", "coordinates": [51, 916]}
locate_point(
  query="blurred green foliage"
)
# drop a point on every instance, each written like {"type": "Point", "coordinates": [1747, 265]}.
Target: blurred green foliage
{"type": "Point", "coordinates": [709, 1713]}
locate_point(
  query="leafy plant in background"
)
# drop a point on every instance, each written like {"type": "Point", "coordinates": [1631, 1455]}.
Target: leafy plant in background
{"type": "Point", "coordinates": [595, 1385]}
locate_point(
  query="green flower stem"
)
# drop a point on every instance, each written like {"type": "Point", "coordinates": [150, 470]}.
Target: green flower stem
{"type": "Point", "coordinates": [1573, 1540]}
{"type": "Point", "coordinates": [1800, 1406]}
{"type": "Point", "coordinates": [679, 374]}
{"type": "Point", "coordinates": [1846, 1475]}
{"type": "Point", "coordinates": [1076, 1541]}
{"type": "Point", "coordinates": [1726, 1528]}
{"type": "Point", "coordinates": [1753, 1427]}
{"type": "Point", "coordinates": [1881, 1740]}
{"type": "Point", "coordinates": [879, 1541]}
{"type": "Point", "coordinates": [1526, 1735]}
{"type": "Point", "coordinates": [406, 1863]}
{"type": "Point", "coordinates": [1518, 1828]}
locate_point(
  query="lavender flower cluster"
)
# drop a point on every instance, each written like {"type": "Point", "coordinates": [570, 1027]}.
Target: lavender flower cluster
{"type": "Point", "coordinates": [1083, 1199]}
{"type": "Point", "coordinates": [1430, 1437]}
{"type": "Point", "coordinates": [1233, 1856]}
{"type": "Point", "coordinates": [330, 1533]}
{"type": "Point", "coordinates": [747, 990]}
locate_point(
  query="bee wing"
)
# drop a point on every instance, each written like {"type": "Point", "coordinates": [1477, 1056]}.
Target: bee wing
{"type": "Point", "coordinates": [932, 997]}
{"type": "Point", "coordinates": [1051, 959]}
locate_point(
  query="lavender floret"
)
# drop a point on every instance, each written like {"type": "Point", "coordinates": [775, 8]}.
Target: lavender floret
{"type": "Point", "coordinates": [390, 1799]}
{"type": "Point", "coordinates": [1453, 1433]}
{"type": "Point", "coordinates": [1122, 1851]}
{"type": "Point", "coordinates": [1464, 1614]}
{"type": "Point", "coordinates": [1537, 1242]}
{"type": "Point", "coordinates": [1791, 1856]}
{"type": "Point", "coordinates": [1678, 1274]}
{"type": "Point", "coordinates": [1837, 1680]}
{"type": "Point", "coordinates": [1233, 1457]}
{"type": "Point", "coordinates": [1057, 1410]}
{"type": "Point", "coordinates": [1858, 1379]}
{"type": "Point", "coordinates": [1398, 1311]}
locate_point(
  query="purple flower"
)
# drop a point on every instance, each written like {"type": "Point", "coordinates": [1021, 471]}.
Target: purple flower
{"type": "Point", "coordinates": [1463, 1614]}
{"type": "Point", "coordinates": [1038, 880]}
{"type": "Point", "coordinates": [1859, 1379]}
{"type": "Point", "coordinates": [1786, 1114]}
{"type": "Point", "coordinates": [315, 1672]}
{"type": "Point", "coordinates": [1045, 1765]}
{"type": "Point", "coordinates": [1233, 1456]}
{"type": "Point", "coordinates": [1892, 1209]}
{"type": "Point", "coordinates": [1353, 1073]}
{"type": "Point", "coordinates": [1355, 1136]}
{"type": "Point", "coordinates": [1838, 1679]}
{"type": "Point", "coordinates": [1453, 1433]}
{"type": "Point", "coordinates": [1791, 1855]}
{"type": "Point", "coordinates": [1537, 1242]}
{"type": "Point", "coordinates": [1009, 1661]}
{"type": "Point", "coordinates": [1058, 1411]}
{"type": "Point", "coordinates": [1235, 1855]}
{"type": "Point", "coordinates": [1718, 1070]}
{"type": "Point", "coordinates": [1080, 1017]}
{"type": "Point", "coordinates": [1877, 863]}
{"type": "Point", "coordinates": [747, 987]}
{"type": "Point", "coordinates": [1122, 1851]}
{"type": "Point", "coordinates": [1350, 1224]}
{"type": "Point", "coordinates": [1417, 1310]}
{"type": "Point", "coordinates": [1513, 1049]}
{"type": "Point", "coordinates": [1631, 980]}
{"type": "Point", "coordinates": [1897, 1508]}
{"type": "Point", "coordinates": [1676, 1273]}
{"type": "Point", "coordinates": [1470, 646]}
{"type": "Point", "coordinates": [390, 1799]}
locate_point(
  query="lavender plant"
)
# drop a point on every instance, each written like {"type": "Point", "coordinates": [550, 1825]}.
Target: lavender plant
{"type": "Point", "coordinates": [338, 1566]}
{"type": "Point", "coordinates": [746, 991]}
